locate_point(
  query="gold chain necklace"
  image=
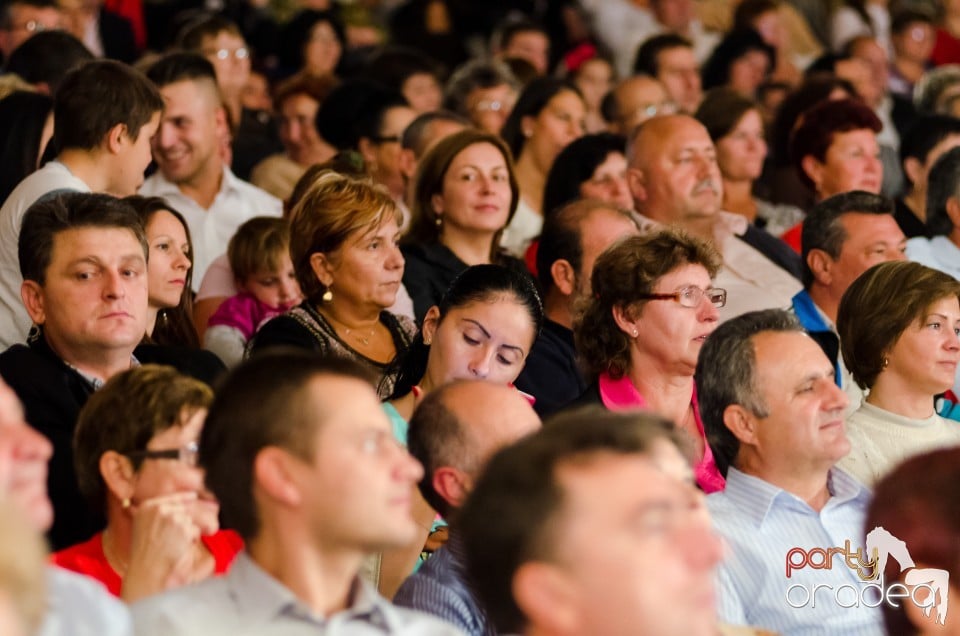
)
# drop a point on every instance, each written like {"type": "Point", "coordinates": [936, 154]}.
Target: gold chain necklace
{"type": "Point", "coordinates": [348, 331]}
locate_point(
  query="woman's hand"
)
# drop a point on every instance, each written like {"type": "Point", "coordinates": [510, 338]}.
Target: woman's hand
{"type": "Point", "coordinates": [163, 552]}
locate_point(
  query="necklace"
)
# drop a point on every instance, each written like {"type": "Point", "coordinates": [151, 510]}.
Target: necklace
{"type": "Point", "coordinates": [353, 333]}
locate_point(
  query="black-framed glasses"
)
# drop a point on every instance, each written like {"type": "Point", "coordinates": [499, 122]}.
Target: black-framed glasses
{"type": "Point", "coordinates": [691, 296]}
{"type": "Point", "coordinates": [187, 454]}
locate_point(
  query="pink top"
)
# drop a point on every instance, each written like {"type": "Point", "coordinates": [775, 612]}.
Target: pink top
{"type": "Point", "coordinates": [245, 313]}
{"type": "Point", "coordinates": [621, 395]}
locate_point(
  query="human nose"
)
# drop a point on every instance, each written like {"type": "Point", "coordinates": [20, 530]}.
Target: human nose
{"type": "Point", "coordinates": [182, 262]}
{"type": "Point", "coordinates": [165, 136]}
{"type": "Point", "coordinates": [836, 399]}
{"type": "Point", "coordinates": [113, 285]}
{"type": "Point", "coordinates": [395, 259]}
{"type": "Point", "coordinates": [479, 363]}
{"type": "Point", "coordinates": [708, 311]}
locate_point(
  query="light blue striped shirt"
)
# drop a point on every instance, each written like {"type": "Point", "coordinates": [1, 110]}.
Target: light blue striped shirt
{"type": "Point", "coordinates": [761, 524]}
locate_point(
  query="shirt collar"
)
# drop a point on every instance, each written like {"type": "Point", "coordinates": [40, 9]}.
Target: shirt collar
{"type": "Point", "coordinates": [259, 598]}
{"type": "Point", "coordinates": [619, 394]}
{"type": "Point", "coordinates": [755, 498]}
{"type": "Point", "coordinates": [229, 183]}
{"type": "Point", "coordinates": [727, 224]}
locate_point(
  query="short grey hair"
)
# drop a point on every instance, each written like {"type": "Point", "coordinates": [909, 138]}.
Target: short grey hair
{"type": "Point", "coordinates": [726, 375]}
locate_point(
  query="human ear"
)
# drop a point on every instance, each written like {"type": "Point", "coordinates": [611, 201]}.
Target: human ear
{"type": "Point", "coordinates": [430, 323]}
{"type": "Point", "coordinates": [625, 320]}
{"type": "Point", "coordinates": [31, 293]}
{"type": "Point", "coordinates": [821, 265]}
{"type": "Point", "coordinates": [741, 423]}
{"type": "Point", "coordinates": [564, 278]}
{"type": "Point", "coordinates": [118, 475]}
{"type": "Point", "coordinates": [272, 474]}
{"type": "Point", "coordinates": [322, 268]}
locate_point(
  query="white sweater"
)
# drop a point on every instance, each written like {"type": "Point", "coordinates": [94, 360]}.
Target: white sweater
{"type": "Point", "coordinates": [880, 440]}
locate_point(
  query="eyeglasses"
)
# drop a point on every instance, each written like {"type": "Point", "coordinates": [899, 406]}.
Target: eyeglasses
{"type": "Point", "coordinates": [30, 26]}
{"type": "Point", "coordinates": [224, 54]}
{"type": "Point", "coordinates": [691, 296]}
{"type": "Point", "coordinates": [492, 105]}
{"type": "Point", "coordinates": [652, 110]}
{"type": "Point", "coordinates": [186, 454]}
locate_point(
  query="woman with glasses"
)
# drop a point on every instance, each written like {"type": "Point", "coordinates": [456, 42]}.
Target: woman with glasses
{"type": "Point", "coordinates": [898, 325]}
{"type": "Point", "coordinates": [640, 333]}
{"type": "Point", "coordinates": [135, 454]}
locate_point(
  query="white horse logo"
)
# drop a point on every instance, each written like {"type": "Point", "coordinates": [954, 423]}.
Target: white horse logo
{"type": "Point", "coordinates": [884, 545]}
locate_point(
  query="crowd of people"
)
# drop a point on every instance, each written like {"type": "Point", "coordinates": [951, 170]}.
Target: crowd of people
{"type": "Point", "coordinates": [438, 317]}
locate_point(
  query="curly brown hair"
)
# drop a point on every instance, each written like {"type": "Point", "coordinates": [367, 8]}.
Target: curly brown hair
{"type": "Point", "coordinates": [625, 271]}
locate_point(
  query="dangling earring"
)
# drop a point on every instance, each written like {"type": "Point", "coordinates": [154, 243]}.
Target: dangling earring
{"type": "Point", "coordinates": [327, 296]}
{"type": "Point", "coordinates": [886, 362]}
{"type": "Point", "coordinates": [438, 221]}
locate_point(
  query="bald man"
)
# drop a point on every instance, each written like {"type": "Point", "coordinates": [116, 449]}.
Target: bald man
{"type": "Point", "coordinates": [453, 433]}
{"type": "Point", "coordinates": [675, 180]}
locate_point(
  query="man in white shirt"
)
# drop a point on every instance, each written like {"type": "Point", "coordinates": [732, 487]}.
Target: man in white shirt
{"type": "Point", "coordinates": [775, 420]}
{"type": "Point", "coordinates": [303, 460]}
{"type": "Point", "coordinates": [675, 180]}
{"type": "Point", "coordinates": [190, 148]}
{"type": "Point", "coordinates": [104, 116]}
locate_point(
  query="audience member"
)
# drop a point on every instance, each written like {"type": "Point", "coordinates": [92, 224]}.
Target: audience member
{"type": "Point", "coordinates": [774, 418]}
{"type": "Point", "coordinates": [855, 18]}
{"type": "Point", "coordinates": [21, 19]}
{"type": "Point", "coordinates": [912, 37]}
{"type": "Point", "coordinates": [453, 434]}
{"type": "Point", "coordinates": [83, 259]}
{"type": "Point", "coordinates": [591, 167]}
{"type": "Point", "coordinates": [735, 125]}
{"type": "Point", "coordinates": [635, 100]}
{"type": "Point", "coordinates": [554, 544]}
{"type": "Point", "coordinates": [23, 589]}
{"type": "Point", "coordinates": [343, 244]}
{"type": "Point", "coordinates": [675, 180]}
{"type": "Point", "coordinates": [169, 272]}
{"type": "Point", "coordinates": [301, 457]}
{"type": "Point", "coordinates": [523, 39]}
{"type": "Point", "coordinates": [640, 353]}
{"type": "Point", "coordinates": [914, 503]}
{"type": "Point", "coordinates": [73, 605]}
{"type": "Point", "coordinates": [253, 132]}
{"type": "Point", "coordinates": [670, 60]}
{"type": "Point", "coordinates": [26, 122]}
{"type": "Point", "coordinates": [898, 326]}
{"type": "Point", "coordinates": [297, 103]}
{"type": "Point", "coordinates": [834, 148]}
{"type": "Point", "coordinates": [312, 43]}
{"type": "Point", "coordinates": [104, 32]}
{"type": "Point", "coordinates": [482, 328]}
{"type": "Point", "coordinates": [410, 73]}
{"type": "Point", "coordinates": [421, 135]}
{"type": "Point", "coordinates": [193, 175]}
{"type": "Point", "coordinates": [104, 117]}
{"type": "Point", "coordinates": [135, 449]}
{"type": "Point", "coordinates": [942, 250]}
{"type": "Point", "coordinates": [464, 194]}
{"type": "Point", "coordinates": [741, 62]}
{"type": "Point", "coordinates": [595, 78]}
{"type": "Point", "coordinates": [483, 91]}
{"type": "Point", "coordinates": [45, 60]}
{"type": "Point", "coordinates": [573, 237]}
{"type": "Point", "coordinates": [843, 237]}
{"type": "Point", "coordinates": [547, 117]}
{"type": "Point", "coordinates": [927, 139]}
{"type": "Point", "coordinates": [259, 256]}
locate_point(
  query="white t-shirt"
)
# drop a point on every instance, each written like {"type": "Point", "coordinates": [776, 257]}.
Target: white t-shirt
{"type": "Point", "coordinates": [51, 178]}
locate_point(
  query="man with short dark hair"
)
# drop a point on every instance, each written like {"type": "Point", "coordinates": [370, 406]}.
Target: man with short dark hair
{"type": "Point", "coordinates": [925, 141]}
{"type": "Point", "coordinates": [942, 250]}
{"type": "Point", "coordinates": [592, 526]}
{"type": "Point", "coordinates": [189, 149]}
{"type": "Point", "coordinates": [843, 236]}
{"type": "Point", "coordinates": [84, 264]}
{"type": "Point", "coordinates": [104, 116]}
{"type": "Point", "coordinates": [522, 39]}
{"type": "Point", "coordinates": [303, 461]}
{"type": "Point", "coordinates": [453, 434]}
{"type": "Point", "coordinates": [669, 58]}
{"type": "Point", "coordinates": [570, 243]}
{"type": "Point", "coordinates": [774, 417]}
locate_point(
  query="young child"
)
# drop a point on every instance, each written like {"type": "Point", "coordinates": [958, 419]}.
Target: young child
{"type": "Point", "coordinates": [259, 255]}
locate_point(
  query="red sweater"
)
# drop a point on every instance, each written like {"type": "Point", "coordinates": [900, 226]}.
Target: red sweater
{"type": "Point", "coordinates": [88, 557]}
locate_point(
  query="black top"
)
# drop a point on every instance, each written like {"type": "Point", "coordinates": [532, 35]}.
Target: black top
{"type": "Point", "coordinates": [431, 268]}
{"type": "Point", "coordinates": [551, 374]}
{"type": "Point", "coordinates": [909, 223]}
{"type": "Point", "coordinates": [774, 249]}
{"type": "Point", "coordinates": [303, 327]}
{"type": "Point", "coordinates": [52, 394]}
